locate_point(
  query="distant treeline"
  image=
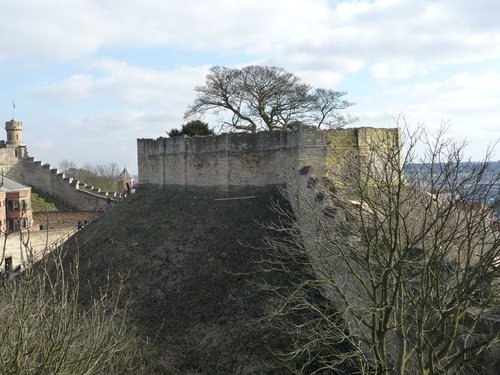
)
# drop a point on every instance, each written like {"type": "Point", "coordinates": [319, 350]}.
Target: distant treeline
{"type": "Point", "coordinates": [490, 174]}
{"type": "Point", "coordinates": [484, 186]}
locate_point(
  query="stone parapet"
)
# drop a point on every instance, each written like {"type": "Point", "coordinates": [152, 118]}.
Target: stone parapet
{"type": "Point", "coordinates": [230, 162]}
{"type": "Point", "coordinates": [73, 192]}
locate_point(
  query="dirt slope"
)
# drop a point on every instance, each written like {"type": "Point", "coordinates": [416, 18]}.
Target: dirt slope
{"type": "Point", "coordinates": [180, 255]}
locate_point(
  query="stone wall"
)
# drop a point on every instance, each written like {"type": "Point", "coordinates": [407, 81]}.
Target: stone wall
{"type": "Point", "coordinates": [17, 165]}
{"type": "Point", "coordinates": [38, 240]}
{"type": "Point", "coordinates": [351, 148]}
{"type": "Point", "coordinates": [238, 162]}
{"type": "Point", "coordinates": [232, 163]}
{"type": "Point", "coordinates": [59, 219]}
{"type": "Point", "coordinates": [10, 160]}
{"type": "Point", "coordinates": [49, 180]}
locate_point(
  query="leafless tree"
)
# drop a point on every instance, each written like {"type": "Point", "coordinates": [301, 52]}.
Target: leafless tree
{"type": "Point", "coordinates": [102, 176]}
{"type": "Point", "coordinates": [110, 170]}
{"type": "Point", "coordinates": [45, 330]}
{"type": "Point", "coordinates": [403, 249]}
{"type": "Point", "coordinates": [67, 165]}
{"type": "Point", "coordinates": [270, 98]}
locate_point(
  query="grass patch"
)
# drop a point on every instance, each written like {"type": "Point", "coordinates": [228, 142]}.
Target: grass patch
{"type": "Point", "coordinates": [42, 202]}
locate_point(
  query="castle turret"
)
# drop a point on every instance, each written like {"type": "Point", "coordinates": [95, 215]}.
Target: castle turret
{"type": "Point", "coordinates": [14, 131]}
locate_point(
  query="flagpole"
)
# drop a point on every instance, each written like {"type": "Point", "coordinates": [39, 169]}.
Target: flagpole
{"type": "Point", "coordinates": [13, 109]}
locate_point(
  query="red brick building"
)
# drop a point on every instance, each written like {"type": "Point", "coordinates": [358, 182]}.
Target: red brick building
{"type": "Point", "coordinates": [15, 206]}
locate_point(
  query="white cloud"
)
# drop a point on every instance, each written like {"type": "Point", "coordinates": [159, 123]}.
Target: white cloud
{"type": "Point", "coordinates": [402, 70]}
{"type": "Point", "coordinates": [98, 138]}
{"type": "Point", "coordinates": [466, 102]}
{"type": "Point", "coordinates": [462, 94]}
{"type": "Point", "coordinates": [57, 29]}
{"type": "Point", "coordinates": [397, 39]}
{"type": "Point", "coordinates": [50, 30]}
{"type": "Point", "coordinates": [388, 43]}
{"type": "Point", "coordinates": [128, 83]}
{"type": "Point", "coordinates": [124, 124]}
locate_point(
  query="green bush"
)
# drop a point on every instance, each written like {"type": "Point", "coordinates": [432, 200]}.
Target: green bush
{"type": "Point", "coordinates": [40, 204]}
{"type": "Point", "coordinates": [192, 128]}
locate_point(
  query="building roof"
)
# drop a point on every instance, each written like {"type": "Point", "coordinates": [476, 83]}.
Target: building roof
{"type": "Point", "coordinates": [8, 185]}
{"type": "Point", "coordinates": [125, 175]}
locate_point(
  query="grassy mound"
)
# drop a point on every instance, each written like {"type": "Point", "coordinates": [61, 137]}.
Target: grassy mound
{"type": "Point", "coordinates": [188, 267]}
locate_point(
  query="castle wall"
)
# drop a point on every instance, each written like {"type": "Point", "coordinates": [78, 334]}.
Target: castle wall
{"type": "Point", "coordinates": [10, 161]}
{"type": "Point", "coordinates": [17, 165]}
{"type": "Point", "coordinates": [233, 162]}
{"type": "Point", "coordinates": [48, 180]}
{"type": "Point", "coordinates": [352, 148]}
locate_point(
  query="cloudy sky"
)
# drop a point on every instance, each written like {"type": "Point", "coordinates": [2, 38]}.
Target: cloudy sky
{"type": "Point", "coordinates": [89, 77]}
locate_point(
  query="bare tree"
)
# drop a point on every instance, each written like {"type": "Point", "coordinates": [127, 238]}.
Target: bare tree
{"type": "Point", "coordinates": [261, 97]}
{"type": "Point", "coordinates": [45, 330]}
{"type": "Point", "coordinates": [67, 165]}
{"type": "Point", "coordinates": [403, 245]}
{"type": "Point", "coordinates": [102, 176]}
{"type": "Point", "coordinates": [110, 170]}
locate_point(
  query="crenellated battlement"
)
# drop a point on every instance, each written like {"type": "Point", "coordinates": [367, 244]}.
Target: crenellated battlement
{"type": "Point", "coordinates": [47, 179]}
{"type": "Point", "coordinates": [15, 163]}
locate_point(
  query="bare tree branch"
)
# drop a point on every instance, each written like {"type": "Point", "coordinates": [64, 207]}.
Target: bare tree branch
{"type": "Point", "coordinates": [405, 250]}
{"type": "Point", "coordinates": [260, 97]}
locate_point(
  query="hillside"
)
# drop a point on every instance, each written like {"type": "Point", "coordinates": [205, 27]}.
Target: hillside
{"type": "Point", "coordinates": [182, 257]}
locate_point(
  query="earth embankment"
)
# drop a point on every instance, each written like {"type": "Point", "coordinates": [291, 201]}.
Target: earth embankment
{"type": "Point", "coordinates": [187, 264]}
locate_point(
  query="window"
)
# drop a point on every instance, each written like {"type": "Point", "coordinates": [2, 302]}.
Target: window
{"type": "Point", "coordinates": [13, 205]}
{"type": "Point", "coordinates": [24, 223]}
{"type": "Point", "coordinates": [8, 264]}
{"type": "Point", "coordinates": [21, 223]}
{"type": "Point", "coordinates": [12, 224]}
{"type": "Point", "coordinates": [15, 153]}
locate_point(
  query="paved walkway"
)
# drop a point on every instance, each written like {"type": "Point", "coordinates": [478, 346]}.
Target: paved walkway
{"type": "Point", "coordinates": [38, 240]}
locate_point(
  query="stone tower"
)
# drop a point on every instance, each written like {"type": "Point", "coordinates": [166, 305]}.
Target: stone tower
{"type": "Point", "coordinates": [13, 150]}
{"type": "Point", "coordinates": [14, 131]}
{"type": "Point", "coordinates": [17, 165]}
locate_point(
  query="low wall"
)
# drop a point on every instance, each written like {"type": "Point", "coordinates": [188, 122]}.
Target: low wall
{"type": "Point", "coordinates": [38, 241]}
{"type": "Point", "coordinates": [58, 219]}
